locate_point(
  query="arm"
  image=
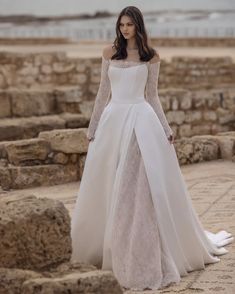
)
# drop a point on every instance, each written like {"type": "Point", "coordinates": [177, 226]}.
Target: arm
{"type": "Point", "coordinates": [152, 94]}
{"type": "Point", "coordinates": [101, 99]}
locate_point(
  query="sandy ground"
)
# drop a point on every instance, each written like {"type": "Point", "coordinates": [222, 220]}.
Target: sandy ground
{"type": "Point", "coordinates": [212, 188]}
{"type": "Point", "coordinates": [89, 49]}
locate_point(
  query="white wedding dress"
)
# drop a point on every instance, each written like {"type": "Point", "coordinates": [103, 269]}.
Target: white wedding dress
{"type": "Point", "coordinates": [133, 213]}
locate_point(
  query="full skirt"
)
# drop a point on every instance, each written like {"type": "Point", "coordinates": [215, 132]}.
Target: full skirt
{"type": "Point", "coordinates": [133, 213]}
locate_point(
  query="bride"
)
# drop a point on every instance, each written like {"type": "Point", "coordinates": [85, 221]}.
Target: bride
{"type": "Point", "coordinates": [133, 214]}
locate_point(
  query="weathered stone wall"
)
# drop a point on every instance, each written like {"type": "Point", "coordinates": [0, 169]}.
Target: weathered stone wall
{"type": "Point", "coordinates": [55, 157]}
{"type": "Point", "coordinates": [58, 156]}
{"type": "Point", "coordinates": [191, 113]}
{"type": "Point", "coordinates": [53, 69]}
{"type": "Point", "coordinates": [194, 42]}
{"type": "Point", "coordinates": [188, 112]}
{"type": "Point", "coordinates": [30, 102]}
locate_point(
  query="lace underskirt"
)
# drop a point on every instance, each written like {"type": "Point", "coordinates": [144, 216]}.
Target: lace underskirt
{"type": "Point", "coordinates": [139, 257]}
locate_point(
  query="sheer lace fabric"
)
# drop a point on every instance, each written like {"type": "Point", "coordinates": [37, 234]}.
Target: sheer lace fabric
{"type": "Point", "coordinates": [148, 263]}
{"type": "Point", "coordinates": [104, 91]}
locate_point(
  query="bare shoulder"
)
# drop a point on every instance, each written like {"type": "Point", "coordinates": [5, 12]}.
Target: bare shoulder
{"type": "Point", "coordinates": [155, 58]}
{"type": "Point", "coordinates": [108, 51]}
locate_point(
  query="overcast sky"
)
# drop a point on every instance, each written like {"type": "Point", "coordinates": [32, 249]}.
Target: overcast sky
{"type": "Point", "coordinates": [55, 7]}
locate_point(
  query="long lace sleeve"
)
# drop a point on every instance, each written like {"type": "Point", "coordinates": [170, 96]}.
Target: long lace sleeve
{"type": "Point", "coordinates": [101, 99]}
{"type": "Point", "coordinates": [153, 98]}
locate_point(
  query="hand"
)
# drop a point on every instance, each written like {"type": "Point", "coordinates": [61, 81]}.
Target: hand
{"type": "Point", "coordinates": [91, 139]}
{"type": "Point", "coordinates": [171, 139]}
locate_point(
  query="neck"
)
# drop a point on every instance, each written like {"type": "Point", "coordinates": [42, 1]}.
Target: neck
{"type": "Point", "coordinates": [131, 44]}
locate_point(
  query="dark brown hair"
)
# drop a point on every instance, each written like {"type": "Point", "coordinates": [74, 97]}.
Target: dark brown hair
{"type": "Point", "coordinates": [120, 43]}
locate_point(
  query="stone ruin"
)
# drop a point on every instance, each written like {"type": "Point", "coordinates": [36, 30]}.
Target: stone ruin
{"type": "Point", "coordinates": [46, 102]}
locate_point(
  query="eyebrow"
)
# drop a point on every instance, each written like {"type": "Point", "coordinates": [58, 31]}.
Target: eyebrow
{"type": "Point", "coordinates": [127, 22]}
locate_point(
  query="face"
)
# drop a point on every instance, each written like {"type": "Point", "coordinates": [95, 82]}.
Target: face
{"type": "Point", "coordinates": [127, 27]}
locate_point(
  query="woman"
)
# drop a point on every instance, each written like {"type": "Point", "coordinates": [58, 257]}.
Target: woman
{"type": "Point", "coordinates": [133, 214]}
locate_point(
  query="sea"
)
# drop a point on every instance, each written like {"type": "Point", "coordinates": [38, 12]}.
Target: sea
{"type": "Point", "coordinates": [163, 18]}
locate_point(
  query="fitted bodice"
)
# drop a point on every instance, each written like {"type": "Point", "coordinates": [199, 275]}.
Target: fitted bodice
{"type": "Point", "coordinates": [128, 82]}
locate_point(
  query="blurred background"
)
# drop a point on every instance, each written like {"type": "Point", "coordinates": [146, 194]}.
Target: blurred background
{"type": "Point", "coordinates": [95, 20]}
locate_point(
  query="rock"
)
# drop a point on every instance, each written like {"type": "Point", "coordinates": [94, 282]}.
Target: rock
{"type": "Point", "coordinates": [67, 141]}
{"type": "Point", "coordinates": [193, 116]}
{"type": "Point", "coordinates": [226, 143]}
{"type": "Point", "coordinates": [185, 102]}
{"type": "Point", "coordinates": [80, 79]}
{"type": "Point", "coordinates": [32, 102]}
{"type": "Point", "coordinates": [10, 130]}
{"type": "Point", "coordinates": [184, 150]}
{"type": "Point", "coordinates": [74, 158]}
{"type": "Point", "coordinates": [82, 160]}
{"type": "Point", "coordinates": [24, 151]}
{"type": "Point", "coordinates": [63, 68]}
{"type": "Point", "coordinates": [28, 70]}
{"type": "Point", "coordinates": [75, 120]}
{"type": "Point", "coordinates": [185, 130]}
{"type": "Point", "coordinates": [38, 175]}
{"type": "Point", "coordinates": [86, 108]}
{"type": "Point", "coordinates": [198, 101]}
{"type": "Point", "coordinates": [5, 178]}
{"type": "Point", "coordinates": [205, 148]}
{"type": "Point", "coordinates": [201, 129]}
{"type": "Point", "coordinates": [175, 116]}
{"type": "Point", "coordinates": [197, 149]}
{"type": "Point", "coordinates": [46, 69]}
{"type": "Point", "coordinates": [35, 232]}
{"type": "Point", "coordinates": [60, 158]}
{"type": "Point", "coordinates": [12, 279]}
{"type": "Point", "coordinates": [68, 99]}
{"type": "Point", "coordinates": [3, 83]}
{"type": "Point", "coordinates": [89, 282]}
{"type": "Point", "coordinates": [5, 105]}
{"type": "Point", "coordinates": [29, 127]}
{"type": "Point", "coordinates": [210, 115]}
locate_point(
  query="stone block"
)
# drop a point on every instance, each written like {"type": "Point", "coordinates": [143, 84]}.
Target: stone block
{"type": "Point", "coordinates": [185, 102]}
{"type": "Point", "coordinates": [60, 158]}
{"type": "Point", "coordinates": [37, 175]}
{"type": "Point", "coordinates": [205, 148]}
{"type": "Point", "coordinates": [90, 282]}
{"type": "Point", "coordinates": [210, 115]}
{"type": "Point", "coordinates": [10, 130]}
{"type": "Point", "coordinates": [62, 67]}
{"type": "Point", "coordinates": [35, 233]}
{"type": "Point", "coordinates": [5, 104]}
{"type": "Point", "coordinates": [67, 141]}
{"type": "Point", "coordinates": [185, 130]}
{"type": "Point", "coordinates": [27, 151]}
{"type": "Point", "coordinates": [5, 178]}
{"type": "Point", "coordinates": [13, 279]}
{"type": "Point", "coordinates": [29, 127]}
{"type": "Point", "coordinates": [175, 116]}
{"type": "Point", "coordinates": [201, 130]}
{"type": "Point", "coordinates": [31, 102]}
{"type": "Point", "coordinates": [75, 120]}
{"type": "Point", "coordinates": [193, 116]}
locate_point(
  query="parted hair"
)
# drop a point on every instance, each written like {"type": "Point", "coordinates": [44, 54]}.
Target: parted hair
{"type": "Point", "coordinates": [146, 52]}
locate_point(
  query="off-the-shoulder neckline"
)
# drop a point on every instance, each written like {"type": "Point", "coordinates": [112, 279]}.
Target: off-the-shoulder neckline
{"type": "Point", "coordinates": [130, 61]}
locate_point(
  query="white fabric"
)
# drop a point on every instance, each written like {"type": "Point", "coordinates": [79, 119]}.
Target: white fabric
{"type": "Point", "coordinates": [133, 213]}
